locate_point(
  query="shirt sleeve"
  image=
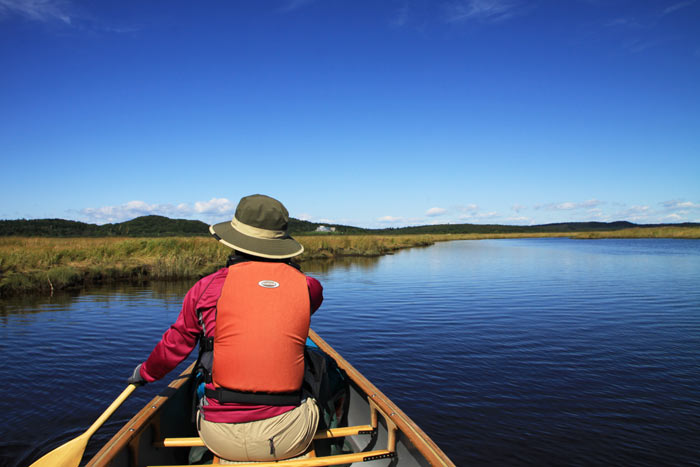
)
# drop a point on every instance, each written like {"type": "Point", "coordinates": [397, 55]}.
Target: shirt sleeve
{"type": "Point", "coordinates": [315, 293]}
{"type": "Point", "coordinates": [177, 342]}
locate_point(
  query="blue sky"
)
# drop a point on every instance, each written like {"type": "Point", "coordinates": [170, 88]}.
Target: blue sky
{"type": "Point", "coordinates": [368, 113]}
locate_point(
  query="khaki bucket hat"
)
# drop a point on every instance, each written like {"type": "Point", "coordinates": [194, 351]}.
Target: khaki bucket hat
{"type": "Point", "coordinates": [260, 228]}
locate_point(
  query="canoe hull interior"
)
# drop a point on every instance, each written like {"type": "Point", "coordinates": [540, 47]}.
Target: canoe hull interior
{"type": "Point", "coordinates": [169, 415]}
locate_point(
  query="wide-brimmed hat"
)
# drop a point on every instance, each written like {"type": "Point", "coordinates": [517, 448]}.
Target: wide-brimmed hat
{"type": "Point", "coordinates": [259, 228]}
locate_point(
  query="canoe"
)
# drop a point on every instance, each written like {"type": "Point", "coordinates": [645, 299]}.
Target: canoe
{"type": "Point", "coordinates": [377, 432]}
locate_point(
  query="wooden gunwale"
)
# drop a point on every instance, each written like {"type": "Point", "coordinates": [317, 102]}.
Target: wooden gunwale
{"type": "Point", "coordinates": [420, 440]}
{"type": "Point", "coordinates": [139, 422]}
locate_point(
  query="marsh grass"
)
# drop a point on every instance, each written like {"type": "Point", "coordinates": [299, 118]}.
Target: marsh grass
{"type": "Point", "coordinates": [332, 246]}
{"type": "Point", "coordinates": [44, 265]}
{"type": "Point", "coordinates": [47, 264]}
{"type": "Point", "coordinates": [645, 232]}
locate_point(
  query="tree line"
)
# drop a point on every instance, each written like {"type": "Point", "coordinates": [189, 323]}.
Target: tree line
{"type": "Point", "coordinates": [160, 226]}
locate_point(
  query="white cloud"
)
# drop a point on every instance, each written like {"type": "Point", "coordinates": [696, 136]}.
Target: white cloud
{"type": "Point", "coordinates": [478, 216]}
{"type": "Point", "coordinates": [222, 209]}
{"type": "Point", "coordinates": [598, 215]}
{"type": "Point", "coordinates": [216, 209]}
{"type": "Point", "coordinates": [677, 6]}
{"type": "Point", "coordinates": [670, 211]}
{"type": "Point", "coordinates": [126, 211]}
{"type": "Point", "coordinates": [38, 10]}
{"type": "Point", "coordinates": [390, 219]}
{"type": "Point", "coordinates": [639, 209]}
{"type": "Point", "coordinates": [519, 220]}
{"type": "Point", "coordinates": [309, 218]}
{"type": "Point", "coordinates": [215, 206]}
{"type": "Point", "coordinates": [677, 204]}
{"type": "Point", "coordinates": [467, 208]}
{"type": "Point", "coordinates": [67, 12]}
{"type": "Point", "coordinates": [212, 211]}
{"type": "Point", "coordinates": [624, 23]}
{"type": "Point", "coordinates": [432, 212]}
{"type": "Point", "coordinates": [569, 206]}
{"type": "Point", "coordinates": [591, 203]}
{"type": "Point", "coordinates": [490, 11]}
{"type": "Point", "coordinates": [639, 214]}
{"type": "Point", "coordinates": [638, 45]}
{"type": "Point", "coordinates": [678, 210]}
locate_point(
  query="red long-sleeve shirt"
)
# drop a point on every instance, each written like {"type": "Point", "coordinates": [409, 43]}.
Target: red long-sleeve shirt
{"type": "Point", "coordinates": [181, 338]}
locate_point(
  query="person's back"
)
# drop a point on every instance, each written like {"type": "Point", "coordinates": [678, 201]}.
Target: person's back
{"type": "Point", "coordinates": [252, 318]}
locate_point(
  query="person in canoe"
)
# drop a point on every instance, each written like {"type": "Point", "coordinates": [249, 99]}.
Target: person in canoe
{"type": "Point", "coordinates": [251, 319]}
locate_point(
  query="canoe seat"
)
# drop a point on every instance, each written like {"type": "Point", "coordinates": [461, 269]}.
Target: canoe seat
{"type": "Point", "coordinates": [309, 459]}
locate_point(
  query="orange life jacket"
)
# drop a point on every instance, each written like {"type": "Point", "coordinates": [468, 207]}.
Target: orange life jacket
{"type": "Point", "coordinates": [262, 323]}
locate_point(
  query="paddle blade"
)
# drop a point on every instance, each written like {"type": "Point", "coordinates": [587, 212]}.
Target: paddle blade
{"type": "Point", "coordinates": [69, 454]}
{"type": "Point", "coordinates": [66, 455]}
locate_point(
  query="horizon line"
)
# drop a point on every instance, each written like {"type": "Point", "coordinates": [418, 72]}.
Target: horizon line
{"type": "Point", "coordinates": [372, 228]}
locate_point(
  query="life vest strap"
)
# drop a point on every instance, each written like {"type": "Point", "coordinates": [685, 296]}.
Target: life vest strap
{"type": "Point", "coordinates": [224, 396]}
{"type": "Point", "coordinates": [206, 344]}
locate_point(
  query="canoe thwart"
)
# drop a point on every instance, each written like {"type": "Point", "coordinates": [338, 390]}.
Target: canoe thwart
{"type": "Point", "coordinates": [179, 442]}
{"type": "Point", "coordinates": [345, 431]}
{"type": "Point", "coordinates": [323, 434]}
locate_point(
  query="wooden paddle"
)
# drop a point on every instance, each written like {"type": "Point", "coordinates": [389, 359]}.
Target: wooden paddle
{"type": "Point", "coordinates": [70, 453]}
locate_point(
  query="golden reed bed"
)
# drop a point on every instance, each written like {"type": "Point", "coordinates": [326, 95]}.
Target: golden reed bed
{"type": "Point", "coordinates": [43, 265]}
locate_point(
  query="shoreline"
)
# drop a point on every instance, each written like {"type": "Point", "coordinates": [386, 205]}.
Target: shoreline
{"type": "Point", "coordinates": [44, 265]}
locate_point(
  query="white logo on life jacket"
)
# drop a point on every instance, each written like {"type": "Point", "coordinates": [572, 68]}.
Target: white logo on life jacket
{"type": "Point", "coordinates": [268, 284]}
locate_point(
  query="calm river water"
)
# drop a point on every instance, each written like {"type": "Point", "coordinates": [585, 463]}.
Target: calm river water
{"type": "Point", "coordinates": [506, 352]}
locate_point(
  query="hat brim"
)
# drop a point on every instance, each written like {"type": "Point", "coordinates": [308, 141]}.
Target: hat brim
{"type": "Point", "coordinates": [274, 248]}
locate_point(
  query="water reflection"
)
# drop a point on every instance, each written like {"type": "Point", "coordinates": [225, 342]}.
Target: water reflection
{"type": "Point", "coordinates": [162, 290]}
{"type": "Point", "coordinates": [167, 290]}
{"type": "Point", "coordinates": [25, 304]}
{"type": "Point", "coordinates": [35, 303]}
{"type": "Point", "coordinates": [324, 266]}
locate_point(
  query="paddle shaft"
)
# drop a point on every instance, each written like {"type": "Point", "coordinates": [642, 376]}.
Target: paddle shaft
{"type": "Point", "coordinates": [110, 410]}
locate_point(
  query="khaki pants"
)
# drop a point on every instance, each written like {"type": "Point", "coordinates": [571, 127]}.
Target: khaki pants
{"type": "Point", "coordinates": [286, 435]}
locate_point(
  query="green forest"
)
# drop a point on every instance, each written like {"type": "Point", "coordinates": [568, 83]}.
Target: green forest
{"type": "Point", "coordinates": [160, 226]}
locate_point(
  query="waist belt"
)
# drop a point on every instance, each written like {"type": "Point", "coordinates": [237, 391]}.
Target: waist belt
{"type": "Point", "coordinates": [256, 398]}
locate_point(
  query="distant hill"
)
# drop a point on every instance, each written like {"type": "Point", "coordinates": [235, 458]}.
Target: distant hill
{"type": "Point", "coordinates": [160, 226]}
{"type": "Point", "coordinates": [542, 228]}
{"type": "Point", "coordinates": [48, 228]}
{"type": "Point", "coordinates": [145, 226]}
{"type": "Point", "coordinates": [496, 228]}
